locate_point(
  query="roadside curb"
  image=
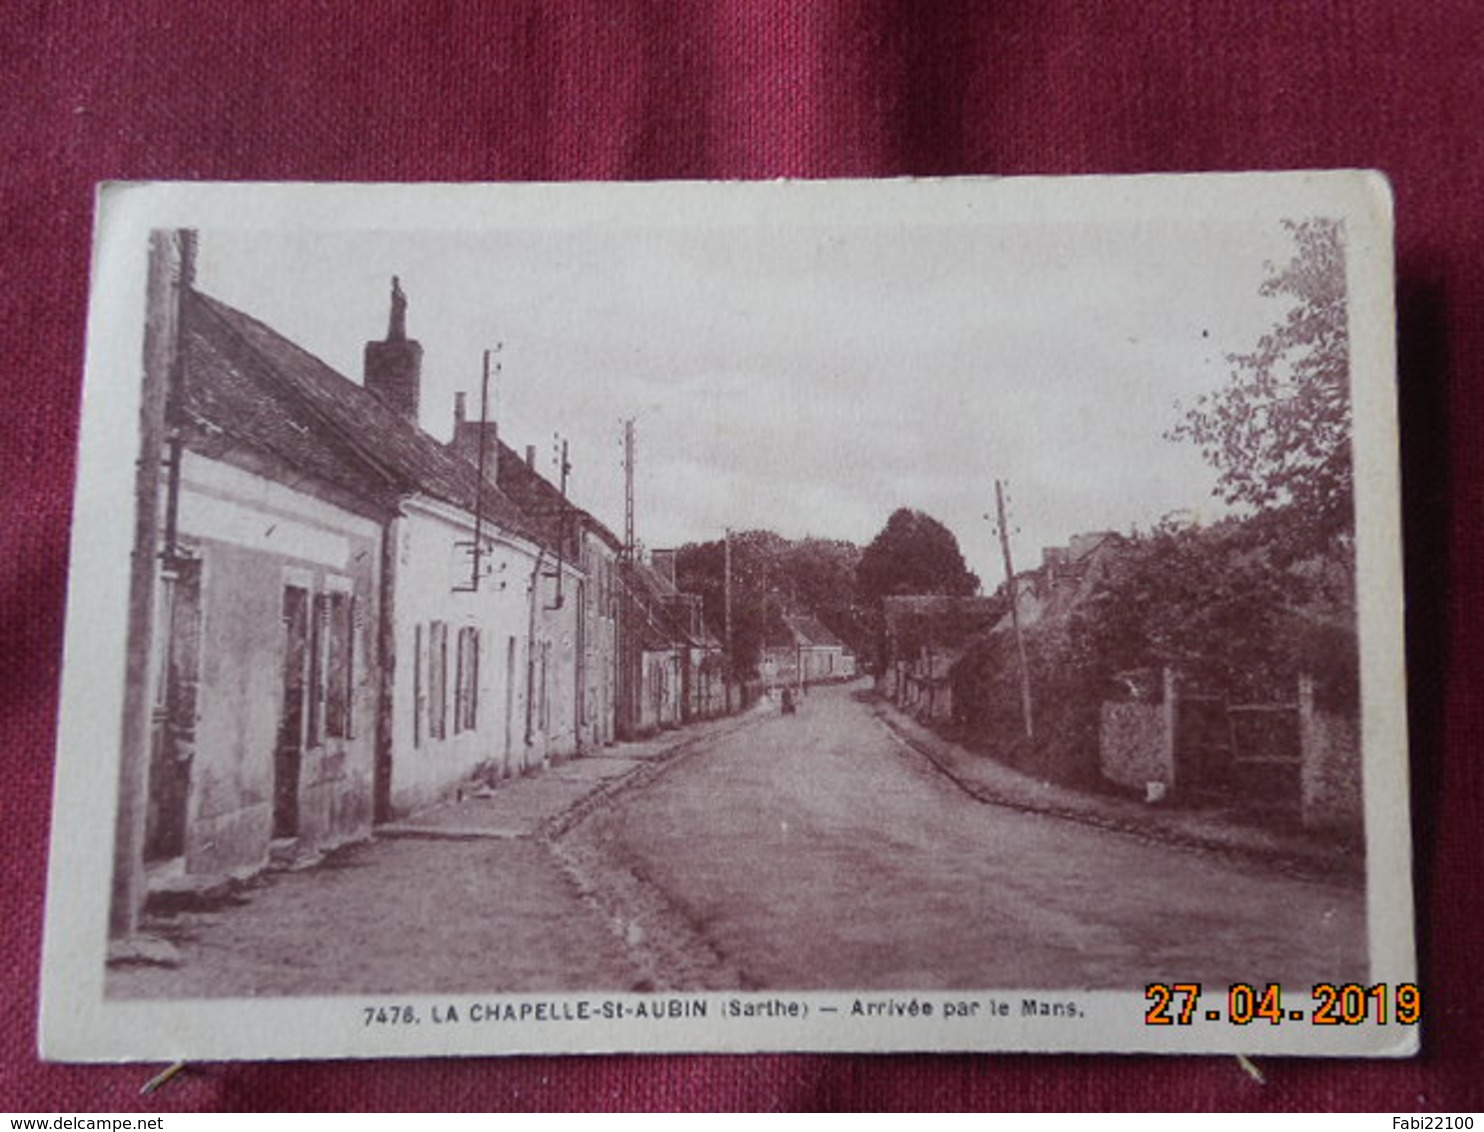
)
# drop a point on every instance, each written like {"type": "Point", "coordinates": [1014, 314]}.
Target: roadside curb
{"type": "Point", "coordinates": [403, 831]}
{"type": "Point", "coordinates": [650, 757]}
{"type": "Point", "coordinates": [646, 770]}
{"type": "Point", "coordinates": [1317, 863]}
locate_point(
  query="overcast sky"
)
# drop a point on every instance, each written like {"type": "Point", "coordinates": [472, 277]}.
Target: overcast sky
{"type": "Point", "coordinates": [802, 377]}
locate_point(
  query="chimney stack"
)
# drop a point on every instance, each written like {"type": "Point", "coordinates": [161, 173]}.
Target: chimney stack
{"type": "Point", "coordinates": [393, 368]}
{"type": "Point", "coordinates": [531, 456]}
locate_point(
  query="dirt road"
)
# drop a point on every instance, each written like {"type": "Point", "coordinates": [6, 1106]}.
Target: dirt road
{"type": "Point", "coordinates": [818, 851]}
{"type": "Point", "coordinates": [811, 851]}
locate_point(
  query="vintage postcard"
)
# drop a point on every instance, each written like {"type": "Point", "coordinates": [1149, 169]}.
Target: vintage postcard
{"type": "Point", "coordinates": [916, 615]}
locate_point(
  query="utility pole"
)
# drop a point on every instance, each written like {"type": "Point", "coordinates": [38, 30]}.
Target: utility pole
{"type": "Point", "coordinates": [727, 674]}
{"type": "Point", "coordinates": [1025, 675]}
{"type": "Point", "coordinates": [628, 650]}
{"type": "Point", "coordinates": [563, 512]}
{"type": "Point", "coordinates": [476, 548]}
{"type": "Point", "coordinates": [170, 274]}
{"type": "Point", "coordinates": [628, 488]}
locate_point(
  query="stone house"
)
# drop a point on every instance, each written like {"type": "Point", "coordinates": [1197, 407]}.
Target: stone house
{"type": "Point", "coordinates": [660, 623]}
{"type": "Point", "coordinates": [266, 680]}
{"type": "Point", "coordinates": [337, 619]}
{"type": "Point", "coordinates": [804, 652]}
{"type": "Point", "coordinates": [323, 647]}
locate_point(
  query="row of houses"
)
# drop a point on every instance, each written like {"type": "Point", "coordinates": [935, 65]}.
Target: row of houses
{"type": "Point", "coordinates": [336, 619]}
{"type": "Point", "coordinates": [802, 652]}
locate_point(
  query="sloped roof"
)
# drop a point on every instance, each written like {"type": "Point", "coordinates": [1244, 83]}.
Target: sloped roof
{"type": "Point", "coordinates": [660, 627]}
{"type": "Point", "coordinates": [540, 498]}
{"type": "Point", "coordinates": [248, 381]}
{"type": "Point", "coordinates": [809, 630]}
{"type": "Point", "coordinates": [226, 402]}
{"type": "Point", "coordinates": [651, 581]}
{"type": "Point", "coordinates": [1052, 591]}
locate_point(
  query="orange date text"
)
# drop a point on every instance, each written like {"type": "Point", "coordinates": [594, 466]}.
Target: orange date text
{"type": "Point", "coordinates": [1328, 1004]}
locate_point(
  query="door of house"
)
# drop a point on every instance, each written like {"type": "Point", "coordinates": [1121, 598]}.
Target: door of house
{"type": "Point", "coordinates": [289, 754]}
{"type": "Point", "coordinates": [173, 732]}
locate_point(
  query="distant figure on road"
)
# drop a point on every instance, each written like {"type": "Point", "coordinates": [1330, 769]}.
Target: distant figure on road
{"type": "Point", "coordinates": [788, 701]}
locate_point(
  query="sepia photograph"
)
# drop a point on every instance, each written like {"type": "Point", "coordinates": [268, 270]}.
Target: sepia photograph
{"type": "Point", "coordinates": [910, 615]}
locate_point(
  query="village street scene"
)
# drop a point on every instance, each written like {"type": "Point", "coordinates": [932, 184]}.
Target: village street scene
{"type": "Point", "coordinates": [816, 853]}
{"type": "Point", "coordinates": [525, 660]}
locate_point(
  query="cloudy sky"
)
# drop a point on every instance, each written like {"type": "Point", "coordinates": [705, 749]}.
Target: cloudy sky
{"type": "Point", "coordinates": [803, 375]}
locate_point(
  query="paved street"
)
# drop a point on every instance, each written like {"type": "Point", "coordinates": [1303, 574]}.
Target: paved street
{"type": "Point", "coordinates": [809, 851]}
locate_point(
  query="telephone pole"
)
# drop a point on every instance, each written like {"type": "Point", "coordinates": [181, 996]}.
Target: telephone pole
{"type": "Point", "coordinates": [1025, 674]}
{"type": "Point", "coordinates": [727, 616]}
{"type": "Point", "coordinates": [628, 488]}
{"type": "Point", "coordinates": [628, 648]}
{"type": "Point", "coordinates": [563, 513]}
{"type": "Point", "coordinates": [477, 551]}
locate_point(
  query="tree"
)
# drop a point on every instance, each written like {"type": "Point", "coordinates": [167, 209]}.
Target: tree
{"type": "Point", "coordinates": [818, 577]}
{"type": "Point", "coordinates": [913, 554]}
{"type": "Point", "coordinates": [1207, 602]}
{"type": "Point", "coordinates": [773, 576]}
{"type": "Point", "coordinates": [1279, 432]}
{"type": "Point", "coordinates": [1222, 605]}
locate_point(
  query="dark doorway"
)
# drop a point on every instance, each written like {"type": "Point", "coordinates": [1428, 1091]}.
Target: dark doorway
{"type": "Point", "coordinates": [290, 750]}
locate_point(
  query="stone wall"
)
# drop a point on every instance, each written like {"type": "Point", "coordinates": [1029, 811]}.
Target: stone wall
{"type": "Point", "coordinates": [1134, 747]}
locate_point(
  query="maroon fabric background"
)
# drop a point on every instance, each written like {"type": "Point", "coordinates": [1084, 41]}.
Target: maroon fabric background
{"type": "Point", "coordinates": [642, 89]}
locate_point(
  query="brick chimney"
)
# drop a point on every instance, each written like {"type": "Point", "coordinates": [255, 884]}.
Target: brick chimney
{"type": "Point", "coordinates": [393, 369]}
{"type": "Point", "coordinates": [466, 439]}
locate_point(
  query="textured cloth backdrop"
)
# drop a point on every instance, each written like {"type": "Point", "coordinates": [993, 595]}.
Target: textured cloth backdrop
{"type": "Point", "coordinates": [393, 90]}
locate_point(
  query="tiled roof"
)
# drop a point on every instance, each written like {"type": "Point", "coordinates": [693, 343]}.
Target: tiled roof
{"type": "Point", "coordinates": [652, 593]}
{"type": "Point", "coordinates": [655, 631]}
{"type": "Point", "coordinates": [247, 381]}
{"type": "Point", "coordinates": [227, 403]}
